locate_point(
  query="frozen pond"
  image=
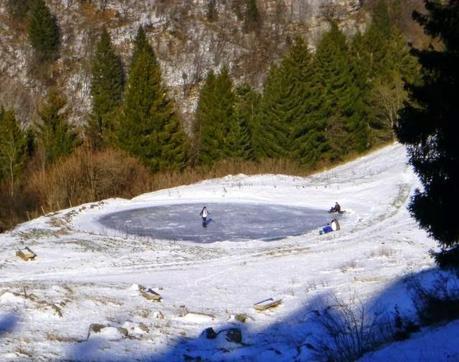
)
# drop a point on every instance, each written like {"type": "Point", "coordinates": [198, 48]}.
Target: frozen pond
{"type": "Point", "coordinates": [226, 221]}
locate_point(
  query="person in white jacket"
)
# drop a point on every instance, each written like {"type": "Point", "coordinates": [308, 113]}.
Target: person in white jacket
{"type": "Point", "coordinates": [331, 226]}
{"type": "Point", "coordinates": [204, 213]}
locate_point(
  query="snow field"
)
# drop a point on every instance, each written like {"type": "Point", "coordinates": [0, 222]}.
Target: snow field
{"type": "Point", "coordinates": [88, 275]}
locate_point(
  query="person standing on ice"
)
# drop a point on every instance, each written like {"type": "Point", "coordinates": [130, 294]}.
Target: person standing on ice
{"type": "Point", "coordinates": [204, 213]}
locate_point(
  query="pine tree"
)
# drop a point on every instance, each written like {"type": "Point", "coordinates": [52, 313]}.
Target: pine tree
{"type": "Point", "coordinates": [106, 91]}
{"type": "Point", "coordinates": [385, 60]}
{"type": "Point", "coordinates": [203, 124]}
{"type": "Point", "coordinates": [252, 16]}
{"type": "Point", "coordinates": [212, 14]}
{"type": "Point", "coordinates": [332, 70]}
{"type": "Point", "coordinates": [237, 139]}
{"type": "Point", "coordinates": [271, 135]}
{"type": "Point", "coordinates": [215, 118]}
{"type": "Point", "coordinates": [341, 113]}
{"type": "Point", "coordinates": [43, 31]}
{"type": "Point", "coordinates": [56, 137]}
{"type": "Point", "coordinates": [300, 79]}
{"type": "Point", "coordinates": [429, 126]}
{"type": "Point", "coordinates": [246, 110]}
{"type": "Point", "coordinates": [284, 115]}
{"type": "Point", "coordinates": [148, 126]}
{"type": "Point", "coordinates": [13, 149]}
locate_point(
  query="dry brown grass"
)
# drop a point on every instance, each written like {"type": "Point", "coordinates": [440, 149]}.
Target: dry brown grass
{"type": "Point", "coordinates": [95, 16]}
{"type": "Point", "coordinates": [88, 176]}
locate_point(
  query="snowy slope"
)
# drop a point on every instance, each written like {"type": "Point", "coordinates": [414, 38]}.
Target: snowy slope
{"type": "Point", "coordinates": [87, 274]}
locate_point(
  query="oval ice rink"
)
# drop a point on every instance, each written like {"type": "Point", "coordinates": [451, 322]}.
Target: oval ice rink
{"type": "Point", "coordinates": [226, 222]}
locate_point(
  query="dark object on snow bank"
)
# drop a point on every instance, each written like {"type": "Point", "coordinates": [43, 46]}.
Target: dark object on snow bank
{"type": "Point", "coordinates": [209, 333]}
{"type": "Point", "coordinates": [231, 334]}
{"type": "Point", "coordinates": [26, 254]}
{"type": "Point", "coordinates": [234, 335]}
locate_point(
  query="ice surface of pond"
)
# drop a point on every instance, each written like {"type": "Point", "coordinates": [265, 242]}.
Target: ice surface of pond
{"type": "Point", "coordinates": [226, 222]}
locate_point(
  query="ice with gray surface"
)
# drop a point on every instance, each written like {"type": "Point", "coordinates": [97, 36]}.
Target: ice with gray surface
{"type": "Point", "coordinates": [226, 222]}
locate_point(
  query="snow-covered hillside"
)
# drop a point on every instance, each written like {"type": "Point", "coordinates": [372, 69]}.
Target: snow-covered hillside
{"type": "Point", "coordinates": [81, 298]}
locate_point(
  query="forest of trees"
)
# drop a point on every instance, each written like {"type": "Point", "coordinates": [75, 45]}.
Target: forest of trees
{"type": "Point", "coordinates": [316, 108]}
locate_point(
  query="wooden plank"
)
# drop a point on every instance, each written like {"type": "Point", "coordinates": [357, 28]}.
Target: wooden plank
{"type": "Point", "coordinates": [267, 304]}
{"type": "Point", "coordinates": [150, 294]}
{"type": "Point", "coordinates": [26, 254]}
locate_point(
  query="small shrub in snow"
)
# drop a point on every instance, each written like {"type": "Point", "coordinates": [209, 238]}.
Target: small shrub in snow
{"type": "Point", "coordinates": [350, 332]}
{"type": "Point", "coordinates": [403, 327]}
{"type": "Point", "coordinates": [438, 304]}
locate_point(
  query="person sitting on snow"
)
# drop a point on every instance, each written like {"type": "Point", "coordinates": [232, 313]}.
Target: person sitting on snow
{"type": "Point", "coordinates": [331, 226]}
{"type": "Point", "coordinates": [336, 208]}
{"type": "Point", "coordinates": [204, 213]}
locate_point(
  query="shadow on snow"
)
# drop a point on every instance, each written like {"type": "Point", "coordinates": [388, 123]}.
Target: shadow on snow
{"type": "Point", "coordinates": [291, 339]}
{"type": "Point", "coordinates": [8, 323]}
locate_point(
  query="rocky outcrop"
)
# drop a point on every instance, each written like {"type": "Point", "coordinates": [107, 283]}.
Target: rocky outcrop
{"type": "Point", "coordinates": [186, 42]}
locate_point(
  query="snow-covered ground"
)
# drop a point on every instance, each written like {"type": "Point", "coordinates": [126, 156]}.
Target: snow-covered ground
{"type": "Point", "coordinates": [81, 298]}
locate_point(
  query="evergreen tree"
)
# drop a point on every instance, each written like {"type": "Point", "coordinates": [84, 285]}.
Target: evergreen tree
{"type": "Point", "coordinates": [212, 14]}
{"type": "Point", "coordinates": [385, 60]}
{"type": "Point", "coordinates": [141, 46]}
{"type": "Point", "coordinates": [148, 126]}
{"type": "Point", "coordinates": [238, 137]}
{"type": "Point", "coordinates": [43, 31]}
{"type": "Point", "coordinates": [332, 72]}
{"type": "Point", "coordinates": [252, 17]}
{"type": "Point", "coordinates": [429, 126]}
{"type": "Point", "coordinates": [286, 119]}
{"type": "Point", "coordinates": [271, 134]}
{"type": "Point", "coordinates": [204, 122]}
{"type": "Point", "coordinates": [56, 137]}
{"type": "Point", "coordinates": [246, 112]}
{"type": "Point", "coordinates": [305, 139]}
{"type": "Point", "coordinates": [13, 148]}
{"type": "Point", "coordinates": [106, 91]}
{"type": "Point", "coordinates": [342, 112]}
{"type": "Point", "coordinates": [215, 118]}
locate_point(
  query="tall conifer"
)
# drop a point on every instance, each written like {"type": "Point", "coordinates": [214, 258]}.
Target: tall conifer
{"type": "Point", "coordinates": [106, 91]}
{"type": "Point", "coordinates": [342, 112]}
{"type": "Point", "coordinates": [271, 134]}
{"type": "Point", "coordinates": [252, 16]}
{"type": "Point", "coordinates": [56, 136]}
{"type": "Point", "coordinates": [246, 112]}
{"type": "Point", "coordinates": [384, 59]}
{"type": "Point", "coordinates": [13, 148]}
{"type": "Point", "coordinates": [43, 31]}
{"type": "Point", "coordinates": [148, 126]}
{"type": "Point", "coordinates": [214, 124]}
{"type": "Point", "coordinates": [429, 127]}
